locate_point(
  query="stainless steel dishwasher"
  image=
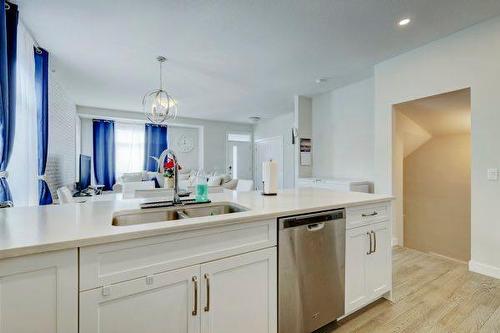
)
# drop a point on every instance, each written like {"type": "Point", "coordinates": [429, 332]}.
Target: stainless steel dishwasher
{"type": "Point", "coordinates": [311, 268]}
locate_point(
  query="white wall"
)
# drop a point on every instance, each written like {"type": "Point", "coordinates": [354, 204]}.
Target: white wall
{"type": "Point", "coordinates": [409, 136]}
{"type": "Point", "coordinates": [439, 172]}
{"type": "Point", "coordinates": [342, 132]}
{"type": "Point", "coordinates": [189, 160]}
{"type": "Point", "coordinates": [280, 126]}
{"type": "Point", "coordinates": [214, 134]}
{"type": "Point", "coordinates": [469, 58]}
{"type": "Point", "coordinates": [61, 162]}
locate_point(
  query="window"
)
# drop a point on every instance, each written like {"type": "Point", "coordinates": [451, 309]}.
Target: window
{"type": "Point", "coordinates": [129, 148]}
{"type": "Point", "coordinates": [239, 137]}
{"type": "Point", "coordinates": [23, 165]}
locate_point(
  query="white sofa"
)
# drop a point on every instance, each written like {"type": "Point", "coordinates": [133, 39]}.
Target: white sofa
{"type": "Point", "coordinates": [187, 179]}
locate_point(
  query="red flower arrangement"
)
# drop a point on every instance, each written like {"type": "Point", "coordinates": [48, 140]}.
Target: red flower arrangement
{"type": "Point", "coordinates": [169, 168]}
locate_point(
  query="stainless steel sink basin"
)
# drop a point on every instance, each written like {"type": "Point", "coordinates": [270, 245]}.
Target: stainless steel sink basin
{"type": "Point", "coordinates": [140, 217]}
{"type": "Point", "coordinates": [211, 210]}
{"type": "Point", "coordinates": [175, 213]}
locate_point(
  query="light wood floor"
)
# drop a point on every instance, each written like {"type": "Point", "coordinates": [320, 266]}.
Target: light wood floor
{"type": "Point", "coordinates": [431, 294]}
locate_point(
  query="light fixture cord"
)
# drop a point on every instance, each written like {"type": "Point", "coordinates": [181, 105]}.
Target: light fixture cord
{"type": "Point", "coordinates": [161, 78]}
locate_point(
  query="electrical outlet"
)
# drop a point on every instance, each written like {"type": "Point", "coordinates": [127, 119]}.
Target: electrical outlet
{"type": "Point", "coordinates": [493, 174]}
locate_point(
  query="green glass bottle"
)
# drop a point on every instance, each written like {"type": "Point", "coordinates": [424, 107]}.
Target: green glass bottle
{"type": "Point", "coordinates": [201, 187]}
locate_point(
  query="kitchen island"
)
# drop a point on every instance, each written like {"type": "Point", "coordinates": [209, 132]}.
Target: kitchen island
{"type": "Point", "coordinates": [69, 269]}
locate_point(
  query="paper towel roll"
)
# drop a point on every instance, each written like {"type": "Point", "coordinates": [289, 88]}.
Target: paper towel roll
{"type": "Point", "coordinates": [270, 177]}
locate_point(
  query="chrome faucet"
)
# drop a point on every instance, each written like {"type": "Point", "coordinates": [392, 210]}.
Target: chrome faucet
{"type": "Point", "coordinates": [164, 155]}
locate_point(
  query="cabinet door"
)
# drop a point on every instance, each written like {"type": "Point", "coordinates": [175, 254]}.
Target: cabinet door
{"type": "Point", "coordinates": [378, 267]}
{"type": "Point", "coordinates": [357, 247]}
{"type": "Point", "coordinates": [159, 303]}
{"type": "Point", "coordinates": [39, 293]}
{"type": "Point", "coordinates": [239, 294]}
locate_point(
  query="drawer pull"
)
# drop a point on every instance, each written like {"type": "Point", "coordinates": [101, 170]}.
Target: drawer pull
{"type": "Point", "coordinates": [374, 241]}
{"type": "Point", "coordinates": [368, 215]}
{"type": "Point", "coordinates": [195, 307]}
{"type": "Point", "coordinates": [207, 306]}
{"type": "Point", "coordinates": [369, 236]}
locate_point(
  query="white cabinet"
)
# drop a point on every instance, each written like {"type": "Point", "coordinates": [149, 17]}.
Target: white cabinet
{"type": "Point", "coordinates": [378, 266]}
{"type": "Point", "coordinates": [357, 247]}
{"type": "Point", "coordinates": [39, 293]}
{"type": "Point", "coordinates": [368, 264]}
{"type": "Point", "coordinates": [240, 293]}
{"type": "Point", "coordinates": [111, 263]}
{"type": "Point", "coordinates": [235, 294]}
{"type": "Point", "coordinates": [158, 303]}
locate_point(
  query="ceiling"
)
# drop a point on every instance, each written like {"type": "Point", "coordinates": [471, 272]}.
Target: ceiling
{"type": "Point", "coordinates": [231, 59]}
{"type": "Point", "coordinates": [443, 114]}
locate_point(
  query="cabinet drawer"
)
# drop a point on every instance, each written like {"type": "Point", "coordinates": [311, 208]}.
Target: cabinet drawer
{"type": "Point", "coordinates": [150, 304]}
{"type": "Point", "coordinates": [363, 215]}
{"type": "Point", "coordinates": [121, 261]}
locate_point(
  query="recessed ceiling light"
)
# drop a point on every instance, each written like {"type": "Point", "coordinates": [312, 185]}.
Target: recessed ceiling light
{"type": "Point", "coordinates": [404, 22]}
{"type": "Point", "coordinates": [321, 80]}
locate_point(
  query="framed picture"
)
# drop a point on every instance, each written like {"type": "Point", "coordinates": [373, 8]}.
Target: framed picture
{"type": "Point", "coordinates": [305, 151]}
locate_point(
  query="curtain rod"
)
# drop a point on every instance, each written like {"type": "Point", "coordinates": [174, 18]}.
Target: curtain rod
{"type": "Point", "coordinates": [35, 42]}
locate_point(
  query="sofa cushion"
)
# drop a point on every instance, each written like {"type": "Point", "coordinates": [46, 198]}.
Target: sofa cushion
{"type": "Point", "coordinates": [214, 181]}
{"type": "Point", "coordinates": [230, 185]}
{"type": "Point", "coordinates": [226, 178]}
{"type": "Point", "coordinates": [132, 177]}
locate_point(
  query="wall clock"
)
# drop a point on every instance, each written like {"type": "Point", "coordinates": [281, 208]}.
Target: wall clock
{"type": "Point", "coordinates": [185, 143]}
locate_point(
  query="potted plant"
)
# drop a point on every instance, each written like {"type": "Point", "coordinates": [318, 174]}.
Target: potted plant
{"type": "Point", "coordinates": [169, 173]}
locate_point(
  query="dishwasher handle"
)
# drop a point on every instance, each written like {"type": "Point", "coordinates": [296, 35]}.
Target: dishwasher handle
{"type": "Point", "coordinates": [315, 226]}
{"type": "Point", "coordinates": [311, 219]}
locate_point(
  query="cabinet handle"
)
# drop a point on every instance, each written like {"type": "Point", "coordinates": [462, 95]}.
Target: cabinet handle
{"type": "Point", "coordinates": [195, 285]}
{"type": "Point", "coordinates": [207, 306]}
{"type": "Point", "coordinates": [369, 236]}
{"type": "Point", "coordinates": [367, 215]}
{"type": "Point", "coordinates": [374, 241]}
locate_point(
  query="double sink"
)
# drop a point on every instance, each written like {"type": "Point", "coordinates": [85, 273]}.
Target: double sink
{"type": "Point", "coordinates": [174, 213]}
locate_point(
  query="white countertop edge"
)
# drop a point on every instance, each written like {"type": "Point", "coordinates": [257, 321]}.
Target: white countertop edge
{"type": "Point", "coordinates": [165, 228]}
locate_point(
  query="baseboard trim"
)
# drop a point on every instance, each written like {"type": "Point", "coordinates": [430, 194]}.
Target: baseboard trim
{"type": "Point", "coordinates": [448, 258]}
{"type": "Point", "coordinates": [484, 269]}
{"type": "Point", "coordinates": [395, 241]}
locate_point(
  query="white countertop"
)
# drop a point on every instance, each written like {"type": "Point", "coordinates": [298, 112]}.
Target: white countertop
{"type": "Point", "coordinates": [27, 230]}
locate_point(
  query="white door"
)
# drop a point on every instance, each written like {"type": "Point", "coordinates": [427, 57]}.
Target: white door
{"type": "Point", "coordinates": [265, 150]}
{"type": "Point", "coordinates": [39, 293]}
{"type": "Point", "coordinates": [357, 248]}
{"type": "Point", "coordinates": [378, 263]}
{"type": "Point", "coordinates": [239, 159]}
{"type": "Point", "coordinates": [165, 302]}
{"type": "Point", "coordinates": [239, 294]}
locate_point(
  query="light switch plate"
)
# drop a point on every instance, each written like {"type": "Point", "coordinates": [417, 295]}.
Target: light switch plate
{"type": "Point", "coordinates": [493, 174]}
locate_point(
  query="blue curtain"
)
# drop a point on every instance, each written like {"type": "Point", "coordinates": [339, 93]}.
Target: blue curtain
{"type": "Point", "coordinates": [155, 142]}
{"type": "Point", "coordinates": [104, 153]}
{"type": "Point", "coordinates": [8, 52]}
{"type": "Point", "coordinates": [42, 110]}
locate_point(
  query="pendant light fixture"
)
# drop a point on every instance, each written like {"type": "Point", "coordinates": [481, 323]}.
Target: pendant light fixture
{"type": "Point", "coordinates": [158, 105]}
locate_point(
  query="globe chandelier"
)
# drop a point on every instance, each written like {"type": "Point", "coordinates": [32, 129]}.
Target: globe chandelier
{"type": "Point", "coordinates": [159, 106]}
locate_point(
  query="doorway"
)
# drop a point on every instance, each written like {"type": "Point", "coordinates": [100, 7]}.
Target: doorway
{"type": "Point", "coordinates": [239, 155]}
{"type": "Point", "coordinates": [265, 150]}
{"type": "Point", "coordinates": [431, 170]}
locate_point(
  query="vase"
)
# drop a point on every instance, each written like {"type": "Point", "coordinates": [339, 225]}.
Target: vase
{"type": "Point", "coordinates": [168, 182]}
